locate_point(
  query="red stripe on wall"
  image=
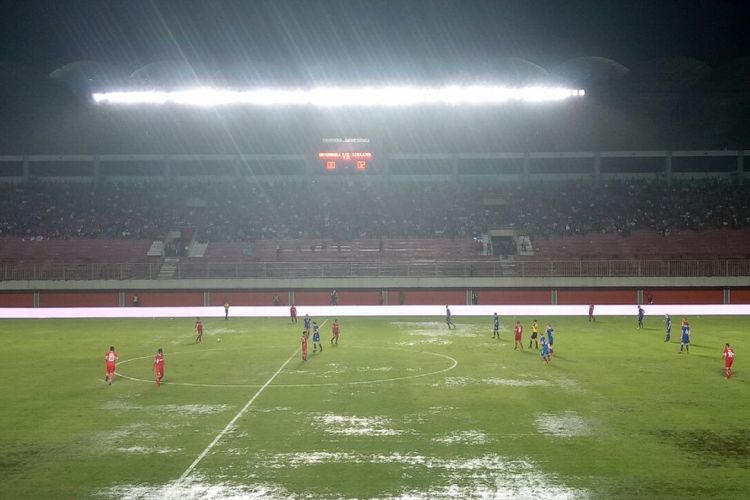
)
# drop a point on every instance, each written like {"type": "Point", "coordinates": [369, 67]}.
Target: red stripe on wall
{"type": "Point", "coordinates": [247, 298]}
{"type": "Point", "coordinates": [79, 299]}
{"type": "Point", "coordinates": [428, 297]}
{"type": "Point", "coordinates": [739, 295]}
{"type": "Point", "coordinates": [688, 295]}
{"type": "Point", "coordinates": [514, 297]}
{"type": "Point", "coordinates": [16, 299]}
{"type": "Point", "coordinates": [596, 296]}
{"type": "Point", "coordinates": [166, 299]}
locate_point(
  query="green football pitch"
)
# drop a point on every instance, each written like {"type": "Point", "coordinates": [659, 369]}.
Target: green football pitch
{"type": "Point", "coordinates": [402, 407]}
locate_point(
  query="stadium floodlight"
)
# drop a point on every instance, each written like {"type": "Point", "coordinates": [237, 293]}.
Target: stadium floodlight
{"type": "Point", "coordinates": [332, 97]}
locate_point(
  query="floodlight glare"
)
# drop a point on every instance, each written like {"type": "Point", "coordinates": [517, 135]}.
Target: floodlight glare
{"type": "Point", "coordinates": [331, 97]}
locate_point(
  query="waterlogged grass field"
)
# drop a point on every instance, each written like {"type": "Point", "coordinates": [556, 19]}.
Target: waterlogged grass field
{"type": "Point", "coordinates": [401, 408]}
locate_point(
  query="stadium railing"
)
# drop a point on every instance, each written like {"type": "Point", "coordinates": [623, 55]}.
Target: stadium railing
{"type": "Point", "coordinates": [459, 268]}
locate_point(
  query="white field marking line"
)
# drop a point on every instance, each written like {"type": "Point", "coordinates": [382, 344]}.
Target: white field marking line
{"type": "Point", "coordinates": [322, 384]}
{"type": "Point", "coordinates": [234, 420]}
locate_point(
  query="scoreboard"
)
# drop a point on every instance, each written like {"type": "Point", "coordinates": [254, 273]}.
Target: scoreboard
{"type": "Point", "coordinates": [345, 154]}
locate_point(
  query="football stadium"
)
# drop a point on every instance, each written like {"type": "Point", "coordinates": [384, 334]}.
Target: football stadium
{"type": "Point", "coordinates": [412, 250]}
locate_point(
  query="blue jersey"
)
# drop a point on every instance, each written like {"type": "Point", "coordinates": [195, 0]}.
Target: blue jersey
{"type": "Point", "coordinates": [447, 315]}
{"type": "Point", "coordinates": [641, 313]}
{"type": "Point", "coordinates": [685, 335]}
{"type": "Point", "coordinates": [550, 336]}
{"type": "Point", "coordinates": [307, 322]}
{"type": "Point", "coordinates": [497, 323]}
{"type": "Point", "coordinates": [685, 329]}
{"type": "Point", "coordinates": [668, 324]}
{"type": "Point", "coordinates": [545, 349]}
{"type": "Point", "coordinates": [316, 335]}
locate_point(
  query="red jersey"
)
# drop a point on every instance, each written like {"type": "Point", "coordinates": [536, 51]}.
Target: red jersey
{"type": "Point", "coordinates": [293, 312]}
{"type": "Point", "coordinates": [199, 327]}
{"type": "Point", "coordinates": [159, 363]}
{"type": "Point", "coordinates": [110, 357]}
{"type": "Point", "coordinates": [518, 330]}
{"type": "Point", "coordinates": [335, 329]}
{"type": "Point", "coordinates": [728, 356]}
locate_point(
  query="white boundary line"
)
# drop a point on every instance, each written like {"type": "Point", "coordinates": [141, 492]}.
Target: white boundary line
{"type": "Point", "coordinates": [231, 423]}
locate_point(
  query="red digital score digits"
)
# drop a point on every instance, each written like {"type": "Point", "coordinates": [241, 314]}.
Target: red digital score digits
{"type": "Point", "coordinates": [360, 159]}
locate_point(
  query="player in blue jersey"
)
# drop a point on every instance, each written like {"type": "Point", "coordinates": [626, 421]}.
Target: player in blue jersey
{"type": "Point", "coordinates": [316, 338]}
{"type": "Point", "coordinates": [307, 323]}
{"type": "Point", "coordinates": [496, 326]}
{"type": "Point", "coordinates": [668, 327]}
{"type": "Point", "coordinates": [550, 338]}
{"type": "Point", "coordinates": [449, 318]}
{"type": "Point", "coordinates": [641, 314]}
{"type": "Point", "coordinates": [685, 342]}
{"type": "Point", "coordinates": [545, 351]}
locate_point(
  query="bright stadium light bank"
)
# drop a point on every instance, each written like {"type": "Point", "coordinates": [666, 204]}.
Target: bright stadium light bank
{"type": "Point", "coordinates": [331, 97]}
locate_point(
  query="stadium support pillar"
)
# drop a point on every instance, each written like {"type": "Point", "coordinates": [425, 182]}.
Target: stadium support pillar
{"type": "Point", "coordinates": [668, 167]}
{"type": "Point", "coordinates": [597, 167]}
{"type": "Point", "coordinates": [741, 167]}
{"type": "Point", "coordinates": [727, 296]}
{"type": "Point", "coordinates": [206, 298]}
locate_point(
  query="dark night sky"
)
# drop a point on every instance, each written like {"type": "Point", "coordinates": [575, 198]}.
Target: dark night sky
{"type": "Point", "coordinates": [47, 34]}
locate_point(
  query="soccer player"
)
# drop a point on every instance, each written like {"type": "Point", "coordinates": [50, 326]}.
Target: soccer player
{"type": "Point", "coordinates": [110, 358]}
{"type": "Point", "coordinates": [518, 334]}
{"type": "Point", "coordinates": [496, 326]}
{"type": "Point", "coordinates": [449, 318]}
{"type": "Point", "coordinates": [685, 342]}
{"type": "Point", "coordinates": [159, 366]}
{"type": "Point", "coordinates": [550, 338]}
{"type": "Point", "coordinates": [226, 309]}
{"type": "Point", "coordinates": [293, 313]}
{"type": "Point", "coordinates": [728, 356]}
{"type": "Point", "coordinates": [591, 313]}
{"type": "Point", "coordinates": [335, 330]}
{"type": "Point", "coordinates": [534, 334]}
{"type": "Point", "coordinates": [198, 330]}
{"type": "Point", "coordinates": [307, 322]}
{"type": "Point", "coordinates": [545, 351]}
{"type": "Point", "coordinates": [305, 335]}
{"type": "Point", "coordinates": [668, 327]}
{"type": "Point", "coordinates": [641, 314]}
{"type": "Point", "coordinates": [316, 338]}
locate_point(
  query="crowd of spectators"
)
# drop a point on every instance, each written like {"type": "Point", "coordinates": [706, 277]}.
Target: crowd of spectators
{"type": "Point", "coordinates": [341, 211]}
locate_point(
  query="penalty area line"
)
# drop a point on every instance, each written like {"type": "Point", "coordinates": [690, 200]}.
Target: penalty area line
{"type": "Point", "coordinates": [231, 423]}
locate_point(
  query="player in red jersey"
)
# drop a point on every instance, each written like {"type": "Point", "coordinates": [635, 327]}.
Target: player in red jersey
{"type": "Point", "coordinates": [591, 313]}
{"type": "Point", "coordinates": [110, 358]}
{"type": "Point", "coordinates": [159, 366]}
{"type": "Point", "coordinates": [293, 313]}
{"type": "Point", "coordinates": [198, 330]}
{"type": "Point", "coordinates": [335, 331]}
{"type": "Point", "coordinates": [728, 356]}
{"type": "Point", "coordinates": [305, 335]}
{"type": "Point", "coordinates": [518, 331]}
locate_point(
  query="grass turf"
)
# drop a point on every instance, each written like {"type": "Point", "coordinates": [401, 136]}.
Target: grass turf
{"type": "Point", "coordinates": [618, 413]}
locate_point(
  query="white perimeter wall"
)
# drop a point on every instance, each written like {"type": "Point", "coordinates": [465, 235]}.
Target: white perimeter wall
{"type": "Point", "coordinates": [342, 311]}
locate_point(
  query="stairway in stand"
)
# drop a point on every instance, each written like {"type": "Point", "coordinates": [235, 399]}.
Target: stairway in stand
{"type": "Point", "coordinates": [168, 268]}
